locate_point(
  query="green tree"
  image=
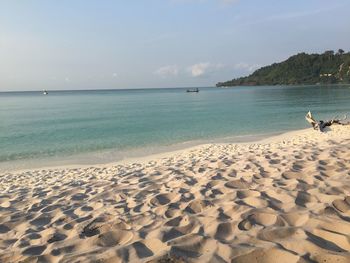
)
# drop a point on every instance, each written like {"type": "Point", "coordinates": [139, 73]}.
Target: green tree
{"type": "Point", "coordinates": [341, 51]}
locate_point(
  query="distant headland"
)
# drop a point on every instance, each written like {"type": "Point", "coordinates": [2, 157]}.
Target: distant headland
{"type": "Point", "coordinates": [301, 69]}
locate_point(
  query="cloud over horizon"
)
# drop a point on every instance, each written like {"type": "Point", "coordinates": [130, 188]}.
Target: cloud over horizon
{"type": "Point", "coordinates": [166, 71]}
{"type": "Point", "coordinates": [246, 66]}
{"type": "Point", "coordinates": [201, 69]}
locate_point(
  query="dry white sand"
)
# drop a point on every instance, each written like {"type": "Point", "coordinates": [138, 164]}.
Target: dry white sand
{"type": "Point", "coordinates": [285, 199]}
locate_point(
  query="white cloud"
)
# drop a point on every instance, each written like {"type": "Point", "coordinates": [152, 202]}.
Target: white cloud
{"type": "Point", "coordinates": [166, 71]}
{"type": "Point", "coordinates": [201, 69]}
{"type": "Point", "coordinates": [246, 66]}
{"type": "Point", "coordinates": [114, 75]}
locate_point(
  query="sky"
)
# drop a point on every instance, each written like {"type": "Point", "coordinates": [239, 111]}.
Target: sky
{"type": "Point", "coordinates": [105, 44]}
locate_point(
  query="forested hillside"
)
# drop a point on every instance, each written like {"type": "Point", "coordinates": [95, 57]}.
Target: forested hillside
{"type": "Point", "coordinates": [329, 68]}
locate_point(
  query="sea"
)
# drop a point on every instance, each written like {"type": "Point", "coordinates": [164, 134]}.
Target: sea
{"type": "Point", "coordinates": [101, 126]}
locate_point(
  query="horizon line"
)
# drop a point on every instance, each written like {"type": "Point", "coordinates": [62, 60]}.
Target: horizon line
{"type": "Point", "coordinates": [104, 89]}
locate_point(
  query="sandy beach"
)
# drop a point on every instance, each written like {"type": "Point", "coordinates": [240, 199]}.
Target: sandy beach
{"type": "Point", "coordinates": [283, 199]}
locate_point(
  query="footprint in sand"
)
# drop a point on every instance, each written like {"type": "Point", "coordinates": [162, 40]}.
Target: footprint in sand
{"type": "Point", "coordinates": [303, 198]}
{"type": "Point", "coordinates": [193, 246]}
{"type": "Point", "coordinates": [4, 229]}
{"type": "Point", "coordinates": [289, 175]}
{"type": "Point", "coordinates": [198, 206]}
{"type": "Point", "coordinates": [175, 221]}
{"type": "Point", "coordinates": [49, 208]}
{"type": "Point", "coordinates": [247, 193]}
{"type": "Point", "coordinates": [253, 202]}
{"type": "Point", "coordinates": [224, 231]}
{"type": "Point", "coordinates": [259, 218]}
{"type": "Point", "coordinates": [41, 220]}
{"type": "Point", "coordinates": [267, 255]}
{"type": "Point", "coordinates": [264, 219]}
{"type": "Point", "coordinates": [56, 237]}
{"type": "Point", "coordinates": [33, 236]}
{"type": "Point", "coordinates": [163, 199]}
{"type": "Point", "coordinates": [185, 227]}
{"type": "Point", "coordinates": [113, 238]}
{"type": "Point", "coordinates": [282, 233]}
{"type": "Point", "coordinates": [34, 250]}
{"type": "Point", "coordinates": [237, 184]}
{"type": "Point", "coordinates": [342, 205]}
{"type": "Point", "coordinates": [274, 161]}
{"type": "Point", "coordinates": [296, 219]}
{"type": "Point", "coordinates": [140, 250]}
{"type": "Point", "coordinates": [172, 212]}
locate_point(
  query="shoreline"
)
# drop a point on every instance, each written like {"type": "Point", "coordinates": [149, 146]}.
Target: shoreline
{"type": "Point", "coordinates": [113, 157]}
{"type": "Point", "coordinates": [285, 197]}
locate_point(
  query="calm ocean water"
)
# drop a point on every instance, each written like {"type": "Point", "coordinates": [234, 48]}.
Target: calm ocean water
{"type": "Point", "coordinates": [65, 124]}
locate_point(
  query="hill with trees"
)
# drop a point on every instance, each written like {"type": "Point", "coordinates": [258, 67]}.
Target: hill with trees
{"type": "Point", "coordinates": [301, 69]}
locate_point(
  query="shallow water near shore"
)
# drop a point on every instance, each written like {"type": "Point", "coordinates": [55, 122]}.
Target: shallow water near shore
{"type": "Point", "coordinates": [114, 156]}
{"type": "Point", "coordinates": [115, 124]}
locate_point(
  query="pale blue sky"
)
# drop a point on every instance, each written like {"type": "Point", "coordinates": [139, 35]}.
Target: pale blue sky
{"type": "Point", "coordinates": [92, 44]}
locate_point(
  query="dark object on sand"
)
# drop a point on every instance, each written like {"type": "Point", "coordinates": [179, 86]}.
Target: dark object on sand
{"type": "Point", "coordinates": [321, 125]}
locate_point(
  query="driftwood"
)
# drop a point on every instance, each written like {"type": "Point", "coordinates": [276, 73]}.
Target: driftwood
{"type": "Point", "coordinates": [321, 125]}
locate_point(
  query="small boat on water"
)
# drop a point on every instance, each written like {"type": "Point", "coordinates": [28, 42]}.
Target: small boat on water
{"type": "Point", "coordinates": [193, 90]}
{"type": "Point", "coordinates": [45, 92]}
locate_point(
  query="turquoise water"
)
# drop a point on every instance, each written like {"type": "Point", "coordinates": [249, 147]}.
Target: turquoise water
{"type": "Point", "coordinates": [67, 123]}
